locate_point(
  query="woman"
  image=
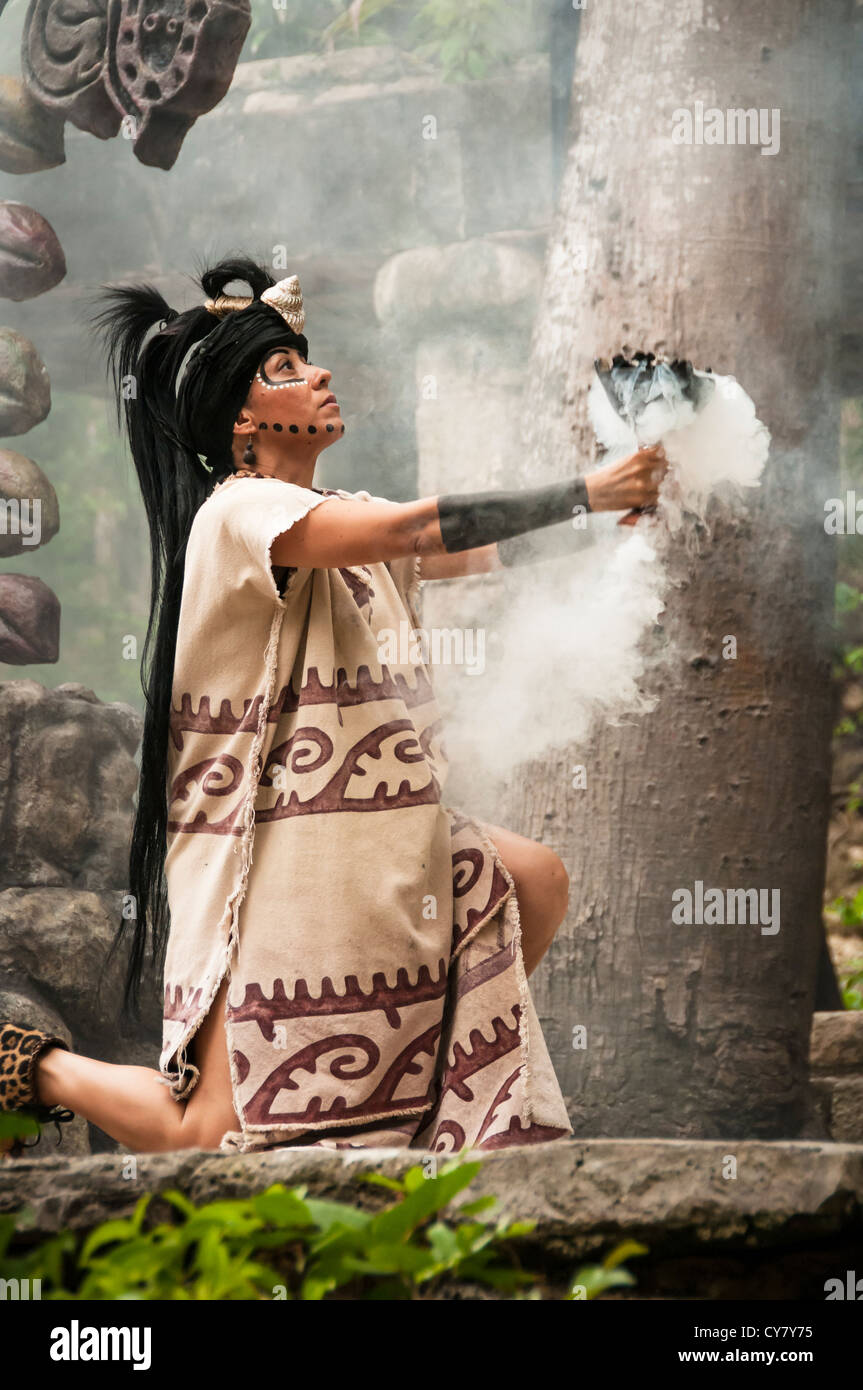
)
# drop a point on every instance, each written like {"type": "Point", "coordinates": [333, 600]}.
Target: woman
{"type": "Point", "coordinates": [345, 957]}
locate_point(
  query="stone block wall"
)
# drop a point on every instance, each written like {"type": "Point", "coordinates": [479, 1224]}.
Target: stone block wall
{"type": "Point", "coordinates": [67, 782]}
{"type": "Point", "coordinates": [836, 1069]}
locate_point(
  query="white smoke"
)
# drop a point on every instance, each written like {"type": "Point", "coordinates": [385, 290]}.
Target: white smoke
{"type": "Point", "coordinates": [569, 648]}
{"type": "Point", "coordinates": [722, 442]}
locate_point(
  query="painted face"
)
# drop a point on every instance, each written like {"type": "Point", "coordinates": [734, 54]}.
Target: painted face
{"type": "Point", "coordinates": [289, 395]}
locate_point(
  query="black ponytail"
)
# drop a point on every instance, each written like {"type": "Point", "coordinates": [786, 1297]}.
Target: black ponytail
{"type": "Point", "coordinates": [174, 483]}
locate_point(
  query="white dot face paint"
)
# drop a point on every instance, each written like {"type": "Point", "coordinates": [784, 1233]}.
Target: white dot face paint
{"type": "Point", "coordinates": [280, 385]}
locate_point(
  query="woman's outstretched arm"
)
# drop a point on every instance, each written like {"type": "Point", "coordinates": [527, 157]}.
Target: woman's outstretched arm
{"type": "Point", "coordinates": [364, 533]}
{"type": "Point", "coordinates": [551, 543]}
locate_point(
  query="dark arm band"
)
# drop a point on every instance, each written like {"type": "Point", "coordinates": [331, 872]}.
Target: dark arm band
{"type": "Point", "coordinates": [471, 519]}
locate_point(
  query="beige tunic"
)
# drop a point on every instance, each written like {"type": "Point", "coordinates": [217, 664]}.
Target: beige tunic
{"type": "Point", "coordinates": [377, 990]}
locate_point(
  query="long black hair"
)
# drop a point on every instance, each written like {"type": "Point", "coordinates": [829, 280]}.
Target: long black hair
{"type": "Point", "coordinates": [165, 436]}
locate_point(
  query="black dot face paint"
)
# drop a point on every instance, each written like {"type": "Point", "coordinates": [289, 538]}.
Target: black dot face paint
{"type": "Point", "coordinates": [312, 429]}
{"type": "Point", "coordinates": [295, 429]}
{"type": "Point", "coordinates": [330, 429]}
{"type": "Point", "coordinates": [343, 429]}
{"type": "Point", "coordinates": [276, 425]}
{"type": "Point", "coordinates": [263, 425]}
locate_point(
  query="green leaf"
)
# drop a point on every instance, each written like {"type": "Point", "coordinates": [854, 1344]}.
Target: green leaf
{"type": "Point", "coordinates": [18, 1124]}
{"type": "Point", "coordinates": [394, 1183]}
{"type": "Point", "coordinates": [596, 1279]}
{"type": "Point", "coordinates": [414, 1179]}
{"type": "Point", "coordinates": [388, 1259]}
{"type": "Point", "coordinates": [283, 1206]}
{"type": "Point", "coordinates": [480, 1204]}
{"type": "Point", "coordinates": [847, 597]}
{"type": "Point", "coordinates": [519, 1228]}
{"type": "Point", "coordinates": [326, 1215]}
{"type": "Point", "coordinates": [622, 1252]}
{"type": "Point", "coordinates": [444, 1242]}
{"type": "Point", "coordinates": [178, 1200]}
{"type": "Point", "coordinates": [314, 1287]}
{"type": "Point", "coordinates": [122, 1228]}
{"type": "Point", "coordinates": [432, 1196]}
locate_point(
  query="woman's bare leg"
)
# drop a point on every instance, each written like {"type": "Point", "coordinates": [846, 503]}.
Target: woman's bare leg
{"type": "Point", "coordinates": [209, 1113]}
{"type": "Point", "coordinates": [134, 1107]}
{"type": "Point", "coordinates": [541, 887]}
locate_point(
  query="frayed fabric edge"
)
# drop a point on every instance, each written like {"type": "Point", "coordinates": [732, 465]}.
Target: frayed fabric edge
{"type": "Point", "coordinates": [415, 588]}
{"type": "Point", "coordinates": [185, 1079]}
{"type": "Point", "coordinates": [187, 1075]}
{"type": "Point", "coordinates": [180, 1083]}
{"type": "Point", "coordinates": [236, 1139]}
{"type": "Point", "coordinates": [510, 908]}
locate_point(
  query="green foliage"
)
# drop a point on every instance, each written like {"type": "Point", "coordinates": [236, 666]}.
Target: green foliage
{"type": "Point", "coordinates": [282, 1244]}
{"type": "Point", "coordinates": [854, 800]}
{"type": "Point", "coordinates": [848, 598]}
{"type": "Point", "coordinates": [465, 38]}
{"type": "Point", "coordinates": [18, 1124]}
{"type": "Point", "coordinates": [849, 910]}
{"type": "Point", "coordinates": [591, 1280]}
{"type": "Point", "coordinates": [852, 659]}
{"type": "Point", "coordinates": [851, 982]}
{"type": "Point", "coordinates": [370, 22]}
{"type": "Point", "coordinates": [295, 26]}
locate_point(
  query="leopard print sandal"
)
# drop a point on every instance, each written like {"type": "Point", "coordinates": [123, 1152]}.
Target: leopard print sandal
{"type": "Point", "coordinates": [20, 1049]}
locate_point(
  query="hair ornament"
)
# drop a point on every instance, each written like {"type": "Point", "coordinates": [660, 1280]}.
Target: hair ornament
{"type": "Point", "coordinates": [285, 297]}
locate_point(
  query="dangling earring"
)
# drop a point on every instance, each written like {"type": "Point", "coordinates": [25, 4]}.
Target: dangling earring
{"type": "Point", "coordinates": [249, 459]}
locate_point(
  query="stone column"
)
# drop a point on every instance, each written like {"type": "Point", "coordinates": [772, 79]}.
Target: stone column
{"type": "Point", "coordinates": [464, 313]}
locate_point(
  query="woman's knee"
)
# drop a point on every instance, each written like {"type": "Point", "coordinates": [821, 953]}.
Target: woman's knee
{"type": "Point", "coordinates": [209, 1135]}
{"type": "Point", "coordinates": [205, 1127]}
{"type": "Point", "coordinates": [552, 874]}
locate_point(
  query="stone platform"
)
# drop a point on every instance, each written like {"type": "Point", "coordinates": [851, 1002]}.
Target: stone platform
{"type": "Point", "coordinates": [790, 1219]}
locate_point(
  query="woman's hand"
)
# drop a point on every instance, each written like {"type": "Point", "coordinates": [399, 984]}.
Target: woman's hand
{"type": "Point", "coordinates": [632, 482]}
